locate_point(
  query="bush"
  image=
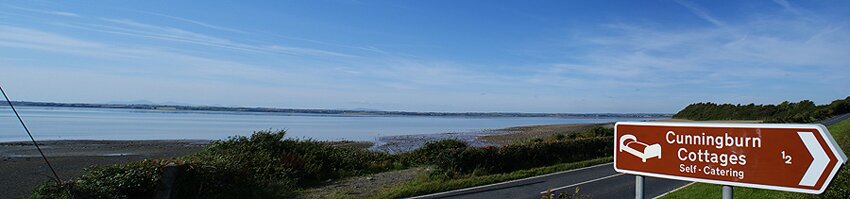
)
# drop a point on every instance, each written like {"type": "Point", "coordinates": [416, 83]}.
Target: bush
{"type": "Point", "coordinates": [489, 160]}
{"type": "Point", "coordinates": [263, 165]}
{"type": "Point", "coordinates": [454, 157]}
{"type": "Point", "coordinates": [594, 132]}
{"type": "Point", "coordinates": [430, 152]}
{"type": "Point", "coordinates": [140, 180]}
{"type": "Point", "coordinates": [269, 157]}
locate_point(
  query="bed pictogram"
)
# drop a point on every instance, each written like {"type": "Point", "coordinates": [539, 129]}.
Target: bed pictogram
{"type": "Point", "coordinates": [629, 143]}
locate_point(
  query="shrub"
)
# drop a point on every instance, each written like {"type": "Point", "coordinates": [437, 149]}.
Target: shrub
{"type": "Point", "coordinates": [269, 157]}
{"type": "Point", "coordinates": [263, 165]}
{"type": "Point", "coordinates": [430, 151]}
{"type": "Point", "coordinates": [488, 160]}
{"type": "Point", "coordinates": [594, 132]}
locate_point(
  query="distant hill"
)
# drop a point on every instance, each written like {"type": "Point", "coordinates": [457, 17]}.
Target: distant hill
{"type": "Point", "coordinates": [148, 102]}
{"type": "Point", "coordinates": [334, 111]}
{"type": "Point", "coordinates": [786, 112]}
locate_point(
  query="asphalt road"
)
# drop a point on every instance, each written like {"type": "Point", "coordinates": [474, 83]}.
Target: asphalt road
{"type": "Point", "coordinates": [599, 181]}
{"type": "Point", "coordinates": [836, 119]}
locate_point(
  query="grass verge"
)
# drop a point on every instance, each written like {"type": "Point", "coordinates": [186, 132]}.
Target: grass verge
{"type": "Point", "coordinates": [426, 184]}
{"type": "Point", "coordinates": [839, 131]}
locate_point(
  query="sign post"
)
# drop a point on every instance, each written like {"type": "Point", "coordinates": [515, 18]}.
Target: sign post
{"type": "Point", "coordinates": [727, 192]}
{"type": "Point", "coordinates": [639, 194]}
{"type": "Point", "coordinates": [786, 157]}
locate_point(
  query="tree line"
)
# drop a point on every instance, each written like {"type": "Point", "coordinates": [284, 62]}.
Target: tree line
{"type": "Point", "coordinates": [804, 111]}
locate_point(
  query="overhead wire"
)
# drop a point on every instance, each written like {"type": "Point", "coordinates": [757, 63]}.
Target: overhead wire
{"type": "Point", "coordinates": [56, 176]}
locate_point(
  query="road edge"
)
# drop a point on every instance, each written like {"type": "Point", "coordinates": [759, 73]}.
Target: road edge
{"type": "Point", "coordinates": [506, 182]}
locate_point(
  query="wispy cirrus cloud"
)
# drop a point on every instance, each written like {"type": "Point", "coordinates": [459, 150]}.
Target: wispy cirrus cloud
{"type": "Point", "coordinates": [42, 11]}
{"type": "Point", "coordinates": [139, 29]}
{"type": "Point", "coordinates": [125, 27]}
{"type": "Point", "coordinates": [774, 53]}
{"type": "Point", "coordinates": [122, 56]}
{"type": "Point", "coordinates": [787, 5]}
{"type": "Point", "coordinates": [701, 13]}
{"type": "Point", "coordinates": [196, 22]}
{"type": "Point", "coordinates": [128, 27]}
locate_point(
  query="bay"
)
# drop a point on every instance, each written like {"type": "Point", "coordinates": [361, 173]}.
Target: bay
{"type": "Point", "coordinates": [63, 123]}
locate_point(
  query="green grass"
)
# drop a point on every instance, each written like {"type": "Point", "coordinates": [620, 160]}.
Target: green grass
{"type": "Point", "coordinates": [839, 131]}
{"type": "Point", "coordinates": [702, 190]}
{"type": "Point", "coordinates": [426, 184]}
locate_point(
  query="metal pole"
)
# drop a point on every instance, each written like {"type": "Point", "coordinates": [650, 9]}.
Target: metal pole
{"type": "Point", "coordinates": [639, 194]}
{"type": "Point", "coordinates": [727, 192]}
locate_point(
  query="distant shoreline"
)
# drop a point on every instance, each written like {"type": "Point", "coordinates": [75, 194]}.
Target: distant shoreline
{"type": "Point", "coordinates": [336, 111]}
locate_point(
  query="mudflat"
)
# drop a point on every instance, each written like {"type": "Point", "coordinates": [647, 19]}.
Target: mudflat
{"type": "Point", "coordinates": [22, 168]}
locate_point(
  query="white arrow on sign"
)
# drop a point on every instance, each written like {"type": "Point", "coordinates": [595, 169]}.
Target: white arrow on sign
{"type": "Point", "coordinates": [821, 160]}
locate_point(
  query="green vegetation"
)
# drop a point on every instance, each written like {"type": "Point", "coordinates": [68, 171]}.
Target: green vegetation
{"type": "Point", "coordinates": [491, 160]}
{"type": "Point", "coordinates": [702, 190]}
{"type": "Point", "coordinates": [265, 165]}
{"type": "Point", "coordinates": [261, 166]}
{"type": "Point", "coordinates": [839, 188]}
{"type": "Point", "coordinates": [801, 112]}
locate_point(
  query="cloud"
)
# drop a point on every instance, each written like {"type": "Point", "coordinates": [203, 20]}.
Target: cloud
{"type": "Point", "coordinates": [370, 49]}
{"type": "Point", "coordinates": [160, 63]}
{"type": "Point", "coordinates": [780, 57]}
{"type": "Point", "coordinates": [50, 12]}
{"type": "Point", "coordinates": [17, 37]}
{"type": "Point", "coordinates": [701, 13]}
{"type": "Point", "coordinates": [126, 57]}
{"type": "Point", "coordinates": [787, 5]}
{"type": "Point", "coordinates": [207, 25]}
{"type": "Point", "coordinates": [132, 28]}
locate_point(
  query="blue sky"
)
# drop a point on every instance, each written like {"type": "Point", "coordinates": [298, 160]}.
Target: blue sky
{"type": "Point", "coordinates": [519, 56]}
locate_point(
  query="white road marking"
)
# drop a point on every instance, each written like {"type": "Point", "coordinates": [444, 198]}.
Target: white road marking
{"type": "Point", "coordinates": [674, 190]}
{"type": "Point", "coordinates": [580, 183]}
{"type": "Point", "coordinates": [508, 182]}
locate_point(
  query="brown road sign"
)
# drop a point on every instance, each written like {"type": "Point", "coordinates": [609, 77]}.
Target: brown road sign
{"type": "Point", "coordinates": [786, 157]}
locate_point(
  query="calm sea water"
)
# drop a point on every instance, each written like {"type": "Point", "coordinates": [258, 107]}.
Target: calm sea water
{"type": "Point", "coordinates": [52, 123]}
